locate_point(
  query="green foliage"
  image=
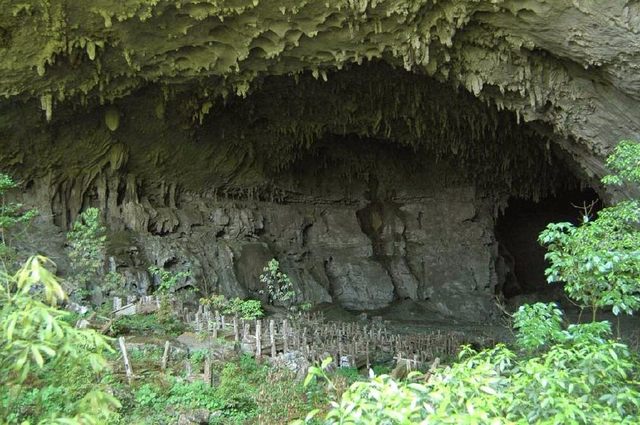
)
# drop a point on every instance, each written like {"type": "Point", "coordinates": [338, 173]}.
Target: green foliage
{"type": "Point", "coordinates": [625, 163]}
{"type": "Point", "coordinates": [244, 392]}
{"type": "Point", "coordinates": [193, 395]}
{"type": "Point", "coordinates": [538, 325]}
{"type": "Point", "coordinates": [215, 301]}
{"type": "Point", "coordinates": [87, 251]}
{"type": "Point", "coordinates": [599, 261]}
{"type": "Point", "coordinates": [245, 309]}
{"type": "Point", "coordinates": [41, 355]}
{"type": "Point", "coordinates": [197, 357]}
{"type": "Point", "coordinates": [87, 242]}
{"type": "Point", "coordinates": [113, 284]}
{"type": "Point", "coordinates": [350, 374]}
{"type": "Point", "coordinates": [304, 307]}
{"type": "Point", "coordinates": [583, 378]}
{"type": "Point", "coordinates": [11, 214]}
{"type": "Point", "coordinates": [147, 324]}
{"type": "Point", "coordinates": [279, 288]}
{"type": "Point", "coordinates": [168, 280]}
{"type": "Point", "coordinates": [381, 369]}
{"type": "Point", "coordinates": [147, 396]}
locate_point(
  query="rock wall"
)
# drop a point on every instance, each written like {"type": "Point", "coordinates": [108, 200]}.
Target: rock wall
{"type": "Point", "coordinates": [422, 243]}
{"type": "Point", "coordinates": [363, 200]}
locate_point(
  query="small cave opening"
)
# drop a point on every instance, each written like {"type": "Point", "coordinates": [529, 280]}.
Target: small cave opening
{"type": "Point", "coordinates": [521, 263]}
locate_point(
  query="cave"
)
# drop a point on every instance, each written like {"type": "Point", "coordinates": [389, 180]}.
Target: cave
{"type": "Point", "coordinates": [374, 187]}
{"type": "Point", "coordinates": [521, 257]}
{"type": "Point", "coordinates": [384, 152]}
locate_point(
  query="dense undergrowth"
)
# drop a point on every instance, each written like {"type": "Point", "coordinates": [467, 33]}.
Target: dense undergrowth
{"type": "Point", "coordinates": [554, 373]}
{"type": "Point", "coordinates": [244, 392]}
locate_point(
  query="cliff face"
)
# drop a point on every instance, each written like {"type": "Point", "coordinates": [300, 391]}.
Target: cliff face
{"type": "Point", "coordinates": [367, 144]}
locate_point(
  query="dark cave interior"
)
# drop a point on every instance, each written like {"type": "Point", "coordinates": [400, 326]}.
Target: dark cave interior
{"type": "Point", "coordinates": [517, 230]}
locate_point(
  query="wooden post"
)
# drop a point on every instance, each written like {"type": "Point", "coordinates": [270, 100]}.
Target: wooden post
{"type": "Point", "coordinates": [272, 337]}
{"type": "Point", "coordinates": [125, 358]}
{"type": "Point", "coordinates": [245, 331]}
{"type": "Point", "coordinates": [236, 334]}
{"type": "Point", "coordinates": [198, 324]}
{"type": "Point", "coordinates": [207, 370]}
{"type": "Point", "coordinates": [367, 354]}
{"type": "Point", "coordinates": [165, 355]}
{"type": "Point", "coordinates": [305, 345]}
{"type": "Point", "coordinates": [285, 336]}
{"type": "Point", "coordinates": [187, 368]}
{"type": "Point", "coordinates": [258, 339]}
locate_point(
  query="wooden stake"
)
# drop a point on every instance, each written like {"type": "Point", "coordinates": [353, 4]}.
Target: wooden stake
{"type": "Point", "coordinates": [285, 336]}
{"type": "Point", "coordinates": [258, 339]}
{"type": "Point", "coordinates": [125, 358]}
{"type": "Point", "coordinates": [207, 370]}
{"type": "Point", "coordinates": [236, 334]}
{"type": "Point", "coordinates": [367, 354]}
{"type": "Point", "coordinates": [187, 368]}
{"type": "Point", "coordinates": [165, 355]}
{"type": "Point", "coordinates": [272, 337]}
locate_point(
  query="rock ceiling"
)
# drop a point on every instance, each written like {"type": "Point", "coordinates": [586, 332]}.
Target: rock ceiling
{"type": "Point", "coordinates": [568, 65]}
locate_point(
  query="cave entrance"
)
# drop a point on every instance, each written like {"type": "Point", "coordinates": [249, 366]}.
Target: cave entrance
{"type": "Point", "coordinates": [521, 262]}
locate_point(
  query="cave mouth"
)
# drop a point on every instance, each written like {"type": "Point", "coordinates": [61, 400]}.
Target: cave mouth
{"type": "Point", "coordinates": [375, 186]}
{"type": "Point", "coordinates": [521, 264]}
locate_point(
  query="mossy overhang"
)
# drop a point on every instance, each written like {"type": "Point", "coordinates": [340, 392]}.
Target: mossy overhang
{"type": "Point", "coordinates": [572, 65]}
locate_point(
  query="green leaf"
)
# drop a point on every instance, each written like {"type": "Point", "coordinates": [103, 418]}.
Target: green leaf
{"type": "Point", "coordinates": [37, 357]}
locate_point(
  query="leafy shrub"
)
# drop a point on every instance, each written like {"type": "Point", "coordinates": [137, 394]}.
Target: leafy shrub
{"type": "Point", "coordinates": [538, 324]}
{"type": "Point", "coordinates": [583, 378]}
{"type": "Point", "coordinates": [148, 396]}
{"type": "Point", "coordinates": [46, 365]}
{"type": "Point", "coordinates": [599, 260]}
{"type": "Point", "coordinates": [193, 395]}
{"type": "Point", "coordinates": [87, 242]}
{"type": "Point", "coordinates": [11, 214]}
{"type": "Point", "coordinates": [245, 309]}
{"type": "Point", "coordinates": [167, 282]}
{"type": "Point", "coordinates": [197, 358]}
{"type": "Point", "coordinates": [278, 286]}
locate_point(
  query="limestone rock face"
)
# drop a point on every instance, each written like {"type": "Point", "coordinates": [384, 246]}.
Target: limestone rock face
{"type": "Point", "coordinates": [368, 145]}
